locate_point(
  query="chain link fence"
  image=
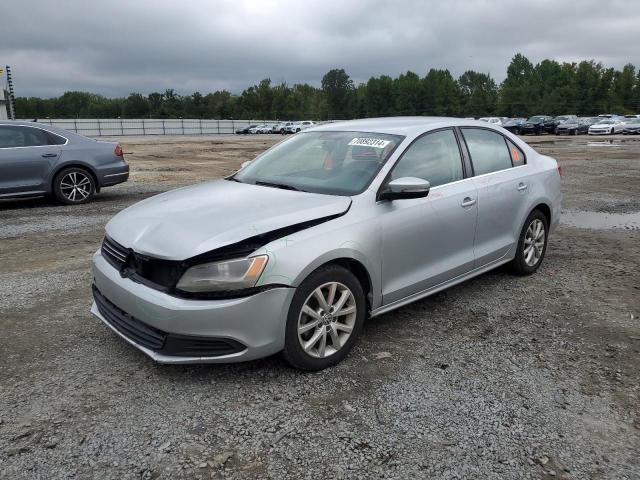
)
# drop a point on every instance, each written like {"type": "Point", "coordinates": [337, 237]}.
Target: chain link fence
{"type": "Point", "coordinates": [97, 127]}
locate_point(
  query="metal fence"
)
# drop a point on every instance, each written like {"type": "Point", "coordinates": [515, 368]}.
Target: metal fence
{"type": "Point", "coordinates": [97, 127]}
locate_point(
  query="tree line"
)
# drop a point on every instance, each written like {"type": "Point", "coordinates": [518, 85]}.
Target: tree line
{"type": "Point", "coordinates": [549, 87]}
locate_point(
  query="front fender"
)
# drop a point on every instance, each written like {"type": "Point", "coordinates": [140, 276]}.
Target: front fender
{"type": "Point", "coordinates": [293, 258]}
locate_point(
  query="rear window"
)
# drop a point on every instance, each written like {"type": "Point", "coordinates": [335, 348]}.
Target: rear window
{"type": "Point", "coordinates": [12, 136]}
{"type": "Point", "coordinates": [488, 150]}
{"type": "Point", "coordinates": [517, 155]}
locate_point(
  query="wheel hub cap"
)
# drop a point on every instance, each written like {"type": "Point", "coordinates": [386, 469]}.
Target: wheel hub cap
{"type": "Point", "coordinates": [75, 186]}
{"type": "Point", "coordinates": [534, 242]}
{"type": "Point", "coordinates": [327, 319]}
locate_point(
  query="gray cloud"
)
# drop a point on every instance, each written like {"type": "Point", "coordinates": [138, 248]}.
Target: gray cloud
{"type": "Point", "coordinates": [115, 47]}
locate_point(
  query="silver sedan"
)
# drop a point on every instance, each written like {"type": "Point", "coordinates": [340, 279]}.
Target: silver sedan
{"type": "Point", "coordinates": [38, 160]}
{"type": "Point", "coordinates": [336, 224]}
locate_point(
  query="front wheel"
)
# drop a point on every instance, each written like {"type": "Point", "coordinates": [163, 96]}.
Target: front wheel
{"type": "Point", "coordinates": [532, 244]}
{"type": "Point", "coordinates": [325, 319]}
{"type": "Point", "coordinates": [73, 186]}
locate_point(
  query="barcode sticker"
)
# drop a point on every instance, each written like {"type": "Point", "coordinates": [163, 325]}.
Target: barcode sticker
{"type": "Point", "coordinates": [369, 142]}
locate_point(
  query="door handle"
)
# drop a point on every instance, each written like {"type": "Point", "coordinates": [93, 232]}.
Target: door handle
{"type": "Point", "coordinates": [522, 187]}
{"type": "Point", "coordinates": [468, 202]}
{"type": "Point", "coordinates": [49, 155]}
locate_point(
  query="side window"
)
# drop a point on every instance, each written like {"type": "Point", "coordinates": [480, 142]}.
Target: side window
{"type": "Point", "coordinates": [34, 137]}
{"type": "Point", "coordinates": [11, 137]}
{"type": "Point", "coordinates": [488, 150]}
{"type": "Point", "coordinates": [55, 139]}
{"type": "Point", "coordinates": [434, 157]}
{"type": "Point", "coordinates": [517, 156]}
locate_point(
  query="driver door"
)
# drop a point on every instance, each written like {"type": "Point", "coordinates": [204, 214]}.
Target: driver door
{"type": "Point", "coordinates": [428, 241]}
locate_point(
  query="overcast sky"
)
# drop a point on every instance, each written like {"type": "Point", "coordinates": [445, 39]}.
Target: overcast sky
{"type": "Point", "coordinates": [115, 47]}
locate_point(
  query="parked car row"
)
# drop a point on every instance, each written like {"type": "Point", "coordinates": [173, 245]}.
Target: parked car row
{"type": "Point", "coordinates": [605, 124]}
{"type": "Point", "coordinates": [282, 128]}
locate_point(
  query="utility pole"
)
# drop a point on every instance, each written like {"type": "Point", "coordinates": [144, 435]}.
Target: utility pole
{"type": "Point", "coordinates": [11, 101]}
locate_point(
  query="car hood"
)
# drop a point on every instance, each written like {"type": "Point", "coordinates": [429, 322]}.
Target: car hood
{"type": "Point", "coordinates": [186, 222]}
{"type": "Point", "coordinates": [569, 125]}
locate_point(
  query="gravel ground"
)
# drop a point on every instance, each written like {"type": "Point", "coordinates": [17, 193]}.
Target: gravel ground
{"type": "Point", "coordinates": [501, 377]}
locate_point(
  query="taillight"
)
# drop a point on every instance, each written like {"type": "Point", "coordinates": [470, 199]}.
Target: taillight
{"type": "Point", "coordinates": [118, 151]}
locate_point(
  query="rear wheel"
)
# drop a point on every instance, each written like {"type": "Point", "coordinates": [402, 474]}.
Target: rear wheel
{"type": "Point", "coordinates": [325, 319]}
{"type": "Point", "coordinates": [73, 186]}
{"type": "Point", "coordinates": [532, 244]}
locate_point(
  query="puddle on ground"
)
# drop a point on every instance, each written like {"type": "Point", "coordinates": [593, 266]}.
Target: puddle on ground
{"type": "Point", "coordinates": [600, 220]}
{"type": "Point", "coordinates": [606, 143]}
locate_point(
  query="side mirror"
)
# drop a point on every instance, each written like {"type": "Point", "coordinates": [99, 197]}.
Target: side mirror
{"type": "Point", "coordinates": [245, 164]}
{"type": "Point", "coordinates": [405, 188]}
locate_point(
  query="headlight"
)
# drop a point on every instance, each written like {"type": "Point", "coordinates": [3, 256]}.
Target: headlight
{"type": "Point", "coordinates": [235, 274]}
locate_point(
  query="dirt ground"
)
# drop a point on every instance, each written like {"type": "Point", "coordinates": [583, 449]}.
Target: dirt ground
{"type": "Point", "coordinates": [500, 377]}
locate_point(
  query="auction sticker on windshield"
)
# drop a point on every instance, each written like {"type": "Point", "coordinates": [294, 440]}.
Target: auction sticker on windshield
{"type": "Point", "coordinates": [369, 142]}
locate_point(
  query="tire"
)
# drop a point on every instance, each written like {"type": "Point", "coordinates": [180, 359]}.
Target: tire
{"type": "Point", "coordinates": [520, 265]}
{"type": "Point", "coordinates": [328, 330]}
{"type": "Point", "coordinates": [73, 186]}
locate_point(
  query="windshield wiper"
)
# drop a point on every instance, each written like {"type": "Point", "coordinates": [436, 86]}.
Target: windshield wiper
{"type": "Point", "coordinates": [283, 186]}
{"type": "Point", "coordinates": [233, 179]}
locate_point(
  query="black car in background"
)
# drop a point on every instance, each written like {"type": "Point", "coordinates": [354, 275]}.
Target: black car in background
{"type": "Point", "coordinates": [535, 125]}
{"type": "Point", "coordinates": [576, 126]}
{"type": "Point", "coordinates": [513, 125]}
{"type": "Point", "coordinates": [551, 125]}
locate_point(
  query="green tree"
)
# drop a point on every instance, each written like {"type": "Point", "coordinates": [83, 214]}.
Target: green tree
{"type": "Point", "coordinates": [517, 93]}
{"type": "Point", "coordinates": [408, 94]}
{"type": "Point", "coordinates": [479, 94]}
{"type": "Point", "coordinates": [136, 106]}
{"type": "Point", "coordinates": [442, 95]}
{"type": "Point", "coordinates": [338, 90]}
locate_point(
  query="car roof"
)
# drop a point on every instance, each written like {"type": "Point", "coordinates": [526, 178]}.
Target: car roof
{"type": "Point", "coordinates": [407, 126]}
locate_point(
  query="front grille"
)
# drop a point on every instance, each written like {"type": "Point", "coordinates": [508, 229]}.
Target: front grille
{"type": "Point", "coordinates": [114, 253]}
{"type": "Point", "coordinates": [127, 325]}
{"type": "Point", "coordinates": [156, 273]}
{"type": "Point", "coordinates": [160, 341]}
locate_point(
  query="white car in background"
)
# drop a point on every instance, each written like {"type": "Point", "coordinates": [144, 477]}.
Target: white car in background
{"type": "Point", "coordinates": [492, 120]}
{"type": "Point", "coordinates": [299, 126]}
{"type": "Point", "coordinates": [263, 128]}
{"type": "Point", "coordinates": [277, 128]}
{"type": "Point", "coordinates": [281, 127]}
{"type": "Point", "coordinates": [607, 126]}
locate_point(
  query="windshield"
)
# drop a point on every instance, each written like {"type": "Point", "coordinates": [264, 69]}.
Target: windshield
{"type": "Point", "coordinates": [335, 163]}
{"type": "Point", "coordinates": [606, 122]}
{"type": "Point", "coordinates": [536, 119]}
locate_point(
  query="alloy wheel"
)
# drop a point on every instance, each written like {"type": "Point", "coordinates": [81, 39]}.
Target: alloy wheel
{"type": "Point", "coordinates": [327, 318]}
{"type": "Point", "coordinates": [75, 186]}
{"type": "Point", "coordinates": [534, 242]}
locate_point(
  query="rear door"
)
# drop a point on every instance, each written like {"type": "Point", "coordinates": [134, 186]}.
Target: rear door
{"type": "Point", "coordinates": [500, 178]}
{"type": "Point", "coordinates": [27, 155]}
{"type": "Point", "coordinates": [427, 241]}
